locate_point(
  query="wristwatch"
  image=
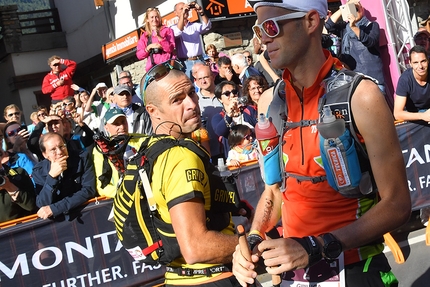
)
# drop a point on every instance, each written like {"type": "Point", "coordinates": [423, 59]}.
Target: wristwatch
{"type": "Point", "coordinates": [332, 246]}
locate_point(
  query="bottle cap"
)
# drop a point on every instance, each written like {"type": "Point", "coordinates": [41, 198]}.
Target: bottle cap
{"type": "Point", "coordinates": [263, 122]}
{"type": "Point", "coordinates": [328, 116]}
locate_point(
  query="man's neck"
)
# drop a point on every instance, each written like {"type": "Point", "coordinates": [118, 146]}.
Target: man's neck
{"type": "Point", "coordinates": [208, 93]}
{"type": "Point", "coordinates": [306, 70]}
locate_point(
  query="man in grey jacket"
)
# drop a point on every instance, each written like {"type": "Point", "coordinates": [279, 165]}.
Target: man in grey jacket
{"type": "Point", "coordinates": [137, 116]}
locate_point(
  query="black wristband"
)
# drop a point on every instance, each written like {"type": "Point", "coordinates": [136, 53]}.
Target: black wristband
{"type": "Point", "coordinates": [253, 240]}
{"type": "Point", "coordinates": [202, 14]}
{"type": "Point", "coordinates": [312, 247]}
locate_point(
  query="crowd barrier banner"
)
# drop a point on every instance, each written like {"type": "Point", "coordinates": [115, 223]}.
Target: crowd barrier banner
{"type": "Point", "coordinates": [415, 143]}
{"type": "Point", "coordinates": [86, 252]}
{"type": "Point", "coordinates": [83, 252]}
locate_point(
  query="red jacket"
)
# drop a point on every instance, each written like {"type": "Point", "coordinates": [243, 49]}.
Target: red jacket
{"type": "Point", "coordinates": [60, 92]}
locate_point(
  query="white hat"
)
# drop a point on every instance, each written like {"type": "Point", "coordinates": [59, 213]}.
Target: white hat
{"type": "Point", "coordinates": [320, 6]}
{"type": "Point", "coordinates": [101, 85]}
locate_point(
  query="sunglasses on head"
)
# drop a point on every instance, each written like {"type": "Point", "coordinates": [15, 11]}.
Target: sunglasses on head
{"type": "Point", "coordinates": [227, 93]}
{"type": "Point", "coordinates": [14, 132]}
{"type": "Point", "coordinates": [160, 71]}
{"type": "Point", "coordinates": [14, 114]}
{"type": "Point", "coordinates": [271, 27]}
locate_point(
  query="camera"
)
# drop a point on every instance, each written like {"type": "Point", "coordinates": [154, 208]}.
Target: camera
{"type": "Point", "coordinates": [243, 100]}
{"type": "Point", "coordinates": [155, 51]}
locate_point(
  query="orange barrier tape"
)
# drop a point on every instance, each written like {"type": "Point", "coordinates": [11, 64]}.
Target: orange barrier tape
{"type": "Point", "coordinates": [242, 164]}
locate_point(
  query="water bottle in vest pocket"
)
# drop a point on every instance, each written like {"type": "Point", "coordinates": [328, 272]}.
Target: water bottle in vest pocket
{"type": "Point", "coordinates": [340, 160]}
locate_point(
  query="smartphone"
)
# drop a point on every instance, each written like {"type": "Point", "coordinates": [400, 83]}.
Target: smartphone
{"type": "Point", "coordinates": [348, 8]}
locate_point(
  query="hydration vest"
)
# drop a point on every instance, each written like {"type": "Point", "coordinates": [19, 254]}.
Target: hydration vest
{"type": "Point", "coordinates": [139, 227]}
{"type": "Point", "coordinates": [339, 90]}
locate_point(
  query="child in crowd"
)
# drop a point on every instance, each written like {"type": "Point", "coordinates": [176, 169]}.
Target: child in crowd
{"type": "Point", "coordinates": [240, 140]}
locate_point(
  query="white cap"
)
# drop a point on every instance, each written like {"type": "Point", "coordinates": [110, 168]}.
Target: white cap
{"type": "Point", "coordinates": [101, 85]}
{"type": "Point", "coordinates": [320, 6]}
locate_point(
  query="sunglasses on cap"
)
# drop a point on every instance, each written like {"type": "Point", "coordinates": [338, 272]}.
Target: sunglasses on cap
{"type": "Point", "coordinates": [228, 93]}
{"type": "Point", "coordinates": [160, 71]}
{"type": "Point", "coordinates": [271, 27]}
{"type": "Point", "coordinates": [14, 132]}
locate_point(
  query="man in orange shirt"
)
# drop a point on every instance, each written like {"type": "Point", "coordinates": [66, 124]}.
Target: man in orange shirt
{"type": "Point", "coordinates": [321, 225]}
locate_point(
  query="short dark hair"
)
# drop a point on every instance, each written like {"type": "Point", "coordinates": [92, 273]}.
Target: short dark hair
{"type": "Point", "coordinates": [237, 133]}
{"type": "Point", "coordinates": [418, 49]}
{"type": "Point", "coordinates": [224, 60]}
{"type": "Point", "coordinates": [218, 88]}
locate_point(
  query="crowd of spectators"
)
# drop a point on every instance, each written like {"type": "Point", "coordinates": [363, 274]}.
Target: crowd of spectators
{"type": "Point", "coordinates": [229, 88]}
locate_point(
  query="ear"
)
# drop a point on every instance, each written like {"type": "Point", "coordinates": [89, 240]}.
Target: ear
{"type": "Point", "coordinates": [313, 21]}
{"type": "Point", "coordinates": [152, 110]}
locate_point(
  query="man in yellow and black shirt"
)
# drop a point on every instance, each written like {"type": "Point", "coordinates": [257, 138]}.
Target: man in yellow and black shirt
{"type": "Point", "coordinates": [181, 186]}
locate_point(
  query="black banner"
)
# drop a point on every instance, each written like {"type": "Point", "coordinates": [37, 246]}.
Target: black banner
{"type": "Point", "coordinates": [415, 142]}
{"type": "Point", "coordinates": [82, 252]}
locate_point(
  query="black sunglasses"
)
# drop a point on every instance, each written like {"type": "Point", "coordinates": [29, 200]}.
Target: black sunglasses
{"type": "Point", "coordinates": [13, 132]}
{"type": "Point", "coordinates": [14, 114]}
{"type": "Point", "coordinates": [248, 137]}
{"type": "Point", "coordinates": [160, 71]}
{"type": "Point", "coordinates": [56, 64]}
{"type": "Point", "coordinates": [227, 93]}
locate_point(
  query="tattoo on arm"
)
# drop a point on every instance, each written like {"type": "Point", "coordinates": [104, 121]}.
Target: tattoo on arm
{"type": "Point", "coordinates": [268, 209]}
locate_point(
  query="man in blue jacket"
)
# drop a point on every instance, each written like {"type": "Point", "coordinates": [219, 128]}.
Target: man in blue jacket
{"type": "Point", "coordinates": [65, 179]}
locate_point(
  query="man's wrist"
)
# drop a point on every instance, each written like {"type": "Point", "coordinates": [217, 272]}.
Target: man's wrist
{"type": "Point", "coordinates": [312, 247]}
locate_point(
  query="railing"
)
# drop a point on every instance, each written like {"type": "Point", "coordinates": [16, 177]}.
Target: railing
{"type": "Point", "coordinates": [40, 21]}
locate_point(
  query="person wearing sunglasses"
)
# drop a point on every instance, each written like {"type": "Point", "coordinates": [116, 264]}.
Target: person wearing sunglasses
{"type": "Point", "coordinates": [186, 201]}
{"type": "Point", "coordinates": [157, 42]}
{"type": "Point", "coordinates": [64, 180]}
{"type": "Point", "coordinates": [58, 82]}
{"type": "Point", "coordinates": [18, 155]}
{"type": "Point", "coordinates": [242, 150]}
{"type": "Point", "coordinates": [12, 113]}
{"type": "Point", "coordinates": [125, 78]}
{"type": "Point", "coordinates": [253, 88]}
{"type": "Point", "coordinates": [137, 116]}
{"type": "Point", "coordinates": [320, 224]}
{"type": "Point", "coordinates": [233, 113]}
{"type": "Point", "coordinates": [187, 34]}
{"type": "Point", "coordinates": [78, 137]}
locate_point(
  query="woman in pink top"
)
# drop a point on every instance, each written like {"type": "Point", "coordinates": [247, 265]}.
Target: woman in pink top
{"type": "Point", "coordinates": [157, 43]}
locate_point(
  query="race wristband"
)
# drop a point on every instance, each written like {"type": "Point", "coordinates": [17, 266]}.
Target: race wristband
{"type": "Point", "coordinates": [312, 247]}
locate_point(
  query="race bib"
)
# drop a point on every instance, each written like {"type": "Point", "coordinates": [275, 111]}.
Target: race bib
{"type": "Point", "coordinates": [322, 274]}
